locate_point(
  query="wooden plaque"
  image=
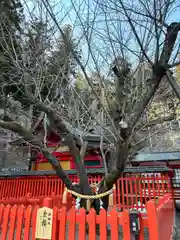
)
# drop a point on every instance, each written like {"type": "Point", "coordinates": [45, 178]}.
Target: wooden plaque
{"type": "Point", "coordinates": [44, 223]}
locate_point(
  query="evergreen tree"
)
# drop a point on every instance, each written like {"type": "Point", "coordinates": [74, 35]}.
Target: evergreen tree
{"type": "Point", "coordinates": [62, 64]}
{"type": "Point", "coordinates": [36, 49]}
{"type": "Point", "coordinates": [10, 30]}
{"type": "Point", "coordinates": [36, 46]}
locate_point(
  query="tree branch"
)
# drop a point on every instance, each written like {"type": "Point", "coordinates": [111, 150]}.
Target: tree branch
{"type": "Point", "coordinates": [83, 151]}
{"type": "Point", "coordinates": [19, 129]}
{"type": "Point", "coordinates": [60, 125]}
{"type": "Point", "coordinates": [156, 121]}
{"type": "Point", "coordinates": [174, 64]}
{"type": "Point", "coordinates": [160, 120]}
{"type": "Point", "coordinates": [111, 178]}
{"type": "Point", "coordinates": [122, 145]}
{"type": "Point", "coordinates": [57, 167]}
{"type": "Point", "coordinates": [159, 70]}
{"type": "Point", "coordinates": [29, 137]}
{"type": "Point", "coordinates": [122, 156]}
{"type": "Point", "coordinates": [173, 84]}
{"type": "Point", "coordinates": [169, 42]}
{"type": "Point", "coordinates": [135, 33]}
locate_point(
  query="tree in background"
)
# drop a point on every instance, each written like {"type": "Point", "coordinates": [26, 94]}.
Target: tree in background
{"type": "Point", "coordinates": [37, 46]}
{"type": "Point", "coordinates": [10, 31]}
{"type": "Point", "coordinates": [11, 18]}
{"type": "Point", "coordinates": [62, 64]}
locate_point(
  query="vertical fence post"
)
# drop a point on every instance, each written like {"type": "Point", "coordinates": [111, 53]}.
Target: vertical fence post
{"type": "Point", "coordinates": [152, 220]}
{"type": "Point", "coordinates": [47, 202]}
{"type": "Point", "coordinates": [126, 225]}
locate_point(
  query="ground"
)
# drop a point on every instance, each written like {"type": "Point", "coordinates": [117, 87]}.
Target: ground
{"type": "Point", "coordinates": [177, 226]}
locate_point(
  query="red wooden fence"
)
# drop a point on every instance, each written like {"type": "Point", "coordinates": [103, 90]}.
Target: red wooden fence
{"type": "Point", "coordinates": [77, 224]}
{"type": "Point", "coordinates": [19, 222]}
{"type": "Point", "coordinates": [161, 218]}
{"type": "Point", "coordinates": [129, 190]}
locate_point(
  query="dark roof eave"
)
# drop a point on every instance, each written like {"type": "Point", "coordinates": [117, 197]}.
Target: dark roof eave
{"type": "Point", "coordinates": [100, 171]}
{"type": "Point", "coordinates": [156, 156]}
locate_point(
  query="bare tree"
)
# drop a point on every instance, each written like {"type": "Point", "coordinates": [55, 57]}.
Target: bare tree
{"type": "Point", "coordinates": [138, 31]}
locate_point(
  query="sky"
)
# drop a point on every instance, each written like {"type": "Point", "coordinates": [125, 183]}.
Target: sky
{"type": "Point", "coordinates": [101, 49]}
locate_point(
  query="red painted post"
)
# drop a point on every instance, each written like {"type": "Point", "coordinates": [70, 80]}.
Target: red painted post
{"type": "Point", "coordinates": [27, 226]}
{"type": "Point", "coordinates": [55, 224]}
{"type": "Point", "coordinates": [82, 224]}
{"type": "Point", "coordinates": [113, 221]}
{"type": "Point", "coordinates": [20, 216]}
{"type": "Point", "coordinates": [62, 223]}
{"type": "Point", "coordinates": [12, 221]}
{"type": "Point", "coordinates": [126, 225]}
{"type": "Point", "coordinates": [4, 225]}
{"type": "Point", "coordinates": [92, 224]}
{"type": "Point", "coordinates": [103, 224]}
{"type": "Point", "coordinates": [47, 202]}
{"type": "Point", "coordinates": [72, 224]}
{"type": "Point", "coordinates": [152, 220]}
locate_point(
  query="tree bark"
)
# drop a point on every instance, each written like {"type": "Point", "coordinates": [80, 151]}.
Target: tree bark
{"type": "Point", "coordinates": [58, 123]}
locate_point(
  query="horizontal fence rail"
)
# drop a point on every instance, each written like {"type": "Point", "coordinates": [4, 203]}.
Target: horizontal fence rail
{"type": "Point", "coordinates": [19, 222]}
{"type": "Point", "coordinates": [131, 191]}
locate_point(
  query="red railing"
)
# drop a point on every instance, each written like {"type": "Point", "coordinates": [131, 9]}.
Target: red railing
{"type": "Point", "coordinates": [19, 222]}
{"type": "Point", "coordinates": [131, 191]}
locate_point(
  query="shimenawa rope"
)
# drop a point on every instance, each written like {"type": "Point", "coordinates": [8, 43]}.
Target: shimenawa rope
{"type": "Point", "coordinates": [87, 197]}
{"type": "Point", "coordinates": [101, 195]}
